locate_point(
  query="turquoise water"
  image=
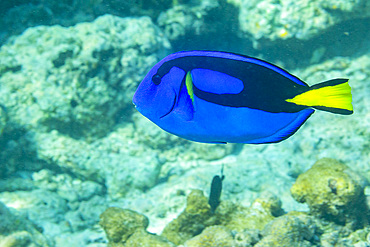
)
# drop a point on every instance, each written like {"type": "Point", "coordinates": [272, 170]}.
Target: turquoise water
{"type": "Point", "coordinates": [72, 144]}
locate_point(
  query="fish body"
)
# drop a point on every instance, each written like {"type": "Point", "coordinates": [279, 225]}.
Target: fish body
{"type": "Point", "coordinates": [219, 97]}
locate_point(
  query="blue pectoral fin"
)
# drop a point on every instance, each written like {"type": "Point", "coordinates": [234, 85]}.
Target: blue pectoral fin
{"type": "Point", "coordinates": [185, 108]}
{"type": "Point", "coordinates": [287, 131]}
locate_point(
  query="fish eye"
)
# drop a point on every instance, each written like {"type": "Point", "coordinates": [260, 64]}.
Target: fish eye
{"type": "Point", "coordinates": [156, 79]}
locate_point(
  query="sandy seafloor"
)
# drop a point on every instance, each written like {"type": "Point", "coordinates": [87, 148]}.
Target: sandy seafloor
{"type": "Point", "coordinates": [72, 144]}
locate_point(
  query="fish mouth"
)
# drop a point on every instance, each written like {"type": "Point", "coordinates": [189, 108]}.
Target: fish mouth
{"type": "Point", "coordinates": [173, 106]}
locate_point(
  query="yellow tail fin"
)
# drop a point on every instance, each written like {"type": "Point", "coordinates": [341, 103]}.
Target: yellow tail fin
{"type": "Point", "coordinates": [332, 96]}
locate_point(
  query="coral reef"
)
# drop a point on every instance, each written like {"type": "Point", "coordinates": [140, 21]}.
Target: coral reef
{"type": "Point", "coordinates": [196, 225]}
{"type": "Point", "coordinates": [16, 231]}
{"type": "Point", "coordinates": [212, 236]}
{"type": "Point", "coordinates": [333, 191]}
{"type": "Point", "coordinates": [302, 20]}
{"type": "Point", "coordinates": [264, 223]}
{"type": "Point", "coordinates": [262, 210]}
{"type": "Point", "coordinates": [58, 203]}
{"type": "Point", "coordinates": [125, 227]}
{"type": "Point", "coordinates": [287, 230]}
{"type": "Point", "coordinates": [16, 16]}
{"type": "Point", "coordinates": [191, 221]}
{"type": "Point", "coordinates": [120, 224]}
{"type": "Point", "coordinates": [195, 20]}
{"type": "Point", "coordinates": [145, 239]}
{"type": "Point", "coordinates": [72, 77]}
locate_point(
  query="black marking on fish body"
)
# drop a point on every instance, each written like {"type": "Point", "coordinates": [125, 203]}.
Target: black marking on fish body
{"type": "Point", "coordinates": [264, 89]}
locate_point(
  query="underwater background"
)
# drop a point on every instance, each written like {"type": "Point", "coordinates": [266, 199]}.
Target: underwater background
{"type": "Point", "coordinates": [79, 166]}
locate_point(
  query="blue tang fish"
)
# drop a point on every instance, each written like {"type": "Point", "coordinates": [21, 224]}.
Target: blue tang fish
{"type": "Point", "coordinates": [220, 97]}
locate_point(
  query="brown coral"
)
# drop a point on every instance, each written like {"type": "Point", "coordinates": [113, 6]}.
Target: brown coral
{"type": "Point", "coordinates": [333, 191]}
